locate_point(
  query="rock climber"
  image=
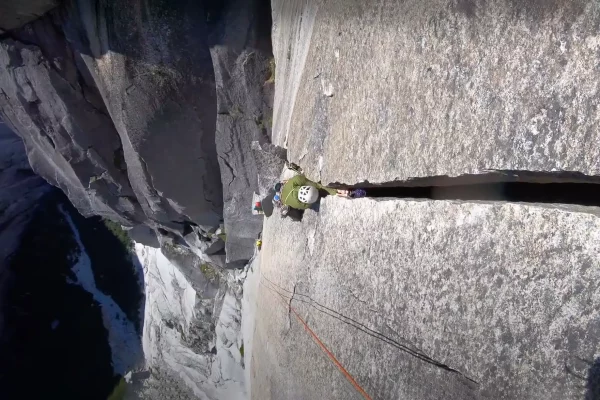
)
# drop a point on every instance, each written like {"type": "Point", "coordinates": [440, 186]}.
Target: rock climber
{"type": "Point", "coordinates": [301, 193]}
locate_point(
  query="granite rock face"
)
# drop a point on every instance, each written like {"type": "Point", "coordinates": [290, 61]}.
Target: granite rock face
{"type": "Point", "coordinates": [129, 107]}
{"type": "Point", "coordinates": [381, 92]}
{"type": "Point", "coordinates": [466, 300]}
{"type": "Point", "coordinates": [155, 77]}
{"type": "Point", "coordinates": [52, 99]}
{"type": "Point", "coordinates": [192, 331]}
{"type": "Point", "coordinates": [241, 54]}
{"type": "Point", "coordinates": [70, 141]}
{"type": "Point", "coordinates": [504, 294]}
{"type": "Point", "coordinates": [130, 110]}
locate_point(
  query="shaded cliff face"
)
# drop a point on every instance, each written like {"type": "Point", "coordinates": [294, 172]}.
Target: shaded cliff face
{"type": "Point", "coordinates": [20, 192]}
{"type": "Point", "coordinates": [14, 14]}
{"type": "Point", "coordinates": [130, 108]}
{"type": "Point", "coordinates": [73, 311]}
{"type": "Point", "coordinates": [70, 314]}
{"type": "Point", "coordinates": [240, 41]}
{"type": "Point", "coordinates": [122, 121]}
{"type": "Point", "coordinates": [133, 110]}
{"type": "Point", "coordinates": [70, 292]}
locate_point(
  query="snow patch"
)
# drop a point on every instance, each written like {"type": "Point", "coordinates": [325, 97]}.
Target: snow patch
{"type": "Point", "coordinates": [170, 312]}
{"type": "Point", "coordinates": [122, 336]}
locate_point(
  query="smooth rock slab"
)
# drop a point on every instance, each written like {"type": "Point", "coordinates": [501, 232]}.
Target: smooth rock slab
{"type": "Point", "coordinates": [505, 294]}
{"type": "Point", "coordinates": [383, 91]}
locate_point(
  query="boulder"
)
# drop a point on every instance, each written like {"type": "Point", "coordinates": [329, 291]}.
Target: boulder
{"type": "Point", "coordinates": [145, 235]}
{"type": "Point", "coordinates": [209, 243]}
{"type": "Point", "coordinates": [385, 92]}
{"type": "Point", "coordinates": [468, 301]}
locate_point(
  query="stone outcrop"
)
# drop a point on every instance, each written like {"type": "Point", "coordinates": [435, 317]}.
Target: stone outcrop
{"type": "Point", "coordinates": [384, 92]}
{"type": "Point", "coordinates": [504, 294]}
{"type": "Point", "coordinates": [70, 141]}
{"type": "Point", "coordinates": [155, 77]}
{"type": "Point", "coordinates": [129, 108]}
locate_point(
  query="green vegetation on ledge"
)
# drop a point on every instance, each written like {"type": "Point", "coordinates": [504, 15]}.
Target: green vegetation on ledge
{"type": "Point", "coordinates": [119, 233]}
{"type": "Point", "coordinates": [209, 272]}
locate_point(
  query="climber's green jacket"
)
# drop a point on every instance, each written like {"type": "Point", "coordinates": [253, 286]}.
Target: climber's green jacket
{"type": "Point", "coordinates": [289, 191]}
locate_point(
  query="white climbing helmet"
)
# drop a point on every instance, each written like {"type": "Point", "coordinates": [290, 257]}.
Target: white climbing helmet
{"type": "Point", "coordinates": [308, 194]}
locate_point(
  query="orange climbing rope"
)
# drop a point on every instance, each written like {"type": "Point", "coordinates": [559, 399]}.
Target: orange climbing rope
{"type": "Point", "coordinates": [318, 341]}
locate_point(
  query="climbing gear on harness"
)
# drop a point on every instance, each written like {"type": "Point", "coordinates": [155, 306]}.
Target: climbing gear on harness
{"type": "Point", "coordinates": [308, 194]}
